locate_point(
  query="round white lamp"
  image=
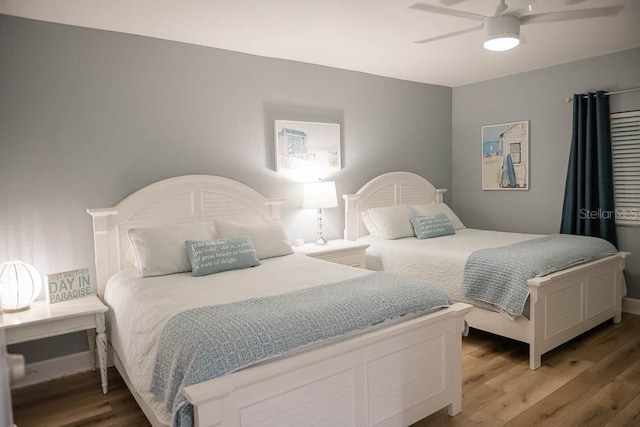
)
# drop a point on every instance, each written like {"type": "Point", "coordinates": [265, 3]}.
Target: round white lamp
{"type": "Point", "coordinates": [20, 284]}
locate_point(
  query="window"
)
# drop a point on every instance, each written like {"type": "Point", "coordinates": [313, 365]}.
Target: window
{"type": "Point", "coordinates": [515, 150]}
{"type": "Point", "coordinates": [625, 146]}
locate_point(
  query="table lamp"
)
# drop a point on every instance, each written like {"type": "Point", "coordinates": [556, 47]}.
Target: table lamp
{"type": "Point", "coordinates": [320, 195]}
{"type": "Point", "coordinates": [20, 284]}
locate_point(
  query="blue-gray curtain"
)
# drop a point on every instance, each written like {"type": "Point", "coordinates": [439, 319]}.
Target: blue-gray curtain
{"type": "Point", "coordinates": [589, 208]}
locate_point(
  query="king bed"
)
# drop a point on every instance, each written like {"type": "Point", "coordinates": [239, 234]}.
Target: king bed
{"type": "Point", "coordinates": [393, 373]}
{"type": "Point", "coordinates": [558, 307]}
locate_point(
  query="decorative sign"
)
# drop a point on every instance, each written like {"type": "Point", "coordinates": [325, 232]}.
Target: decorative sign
{"type": "Point", "coordinates": [68, 285]}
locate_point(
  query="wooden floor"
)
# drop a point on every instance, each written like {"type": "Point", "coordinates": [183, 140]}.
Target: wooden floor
{"type": "Point", "coordinates": [593, 380]}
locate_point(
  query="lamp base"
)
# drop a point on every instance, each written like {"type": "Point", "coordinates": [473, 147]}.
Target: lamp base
{"type": "Point", "coordinates": [15, 310]}
{"type": "Point", "coordinates": [320, 242]}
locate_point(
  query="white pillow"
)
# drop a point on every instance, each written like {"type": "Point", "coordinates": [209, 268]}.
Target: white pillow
{"type": "Point", "coordinates": [161, 250]}
{"type": "Point", "coordinates": [130, 256]}
{"type": "Point", "coordinates": [269, 238]}
{"type": "Point", "coordinates": [370, 225]}
{"type": "Point", "coordinates": [393, 222]}
{"type": "Point", "coordinates": [432, 209]}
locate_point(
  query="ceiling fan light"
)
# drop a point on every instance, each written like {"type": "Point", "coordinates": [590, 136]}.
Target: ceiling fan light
{"type": "Point", "coordinates": [500, 44]}
{"type": "Point", "coordinates": [501, 33]}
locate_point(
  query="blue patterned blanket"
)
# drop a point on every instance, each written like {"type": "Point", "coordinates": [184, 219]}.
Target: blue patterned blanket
{"type": "Point", "coordinates": [204, 343]}
{"type": "Point", "coordinates": [498, 276]}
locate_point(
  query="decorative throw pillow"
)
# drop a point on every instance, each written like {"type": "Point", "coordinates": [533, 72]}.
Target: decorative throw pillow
{"type": "Point", "coordinates": [213, 256]}
{"type": "Point", "coordinates": [393, 222]}
{"type": "Point", "coordinates": [160, 250]}
{"type": "Point", "coordinates": [431, 209]}
{"type": "Point", "coordinates": [427, 227]}
{"type": "Point", "coordinates": [269, 238]}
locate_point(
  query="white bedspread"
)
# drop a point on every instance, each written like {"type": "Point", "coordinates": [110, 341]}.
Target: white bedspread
{"type": "Point", "coordinates": [440, 260]}
{"type": "Point", "coordinates": [140, 307]}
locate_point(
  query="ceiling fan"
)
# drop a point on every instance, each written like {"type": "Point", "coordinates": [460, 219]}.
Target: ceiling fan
{"type": "Point", "coordinates": [502, 30]}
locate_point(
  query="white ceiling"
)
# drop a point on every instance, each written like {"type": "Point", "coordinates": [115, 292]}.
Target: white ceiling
{"type": "Point", "coordinates": [372, 36]}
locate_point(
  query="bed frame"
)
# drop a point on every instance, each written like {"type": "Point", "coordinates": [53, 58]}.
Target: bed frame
{"type": "Point", "coordinates": [563, 305]}
{"type": "Point", "coordinates": [390, 377]}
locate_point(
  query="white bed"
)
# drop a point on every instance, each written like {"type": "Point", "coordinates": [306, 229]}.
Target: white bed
{"type": "Point", "coordinates": [562, 305]}
{"type": "Point", "coordinates": [362, 369]}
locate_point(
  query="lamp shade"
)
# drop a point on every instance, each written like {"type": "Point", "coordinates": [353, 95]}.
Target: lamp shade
{"type": "Point", "coordinates": [20, 284]}
{"type": "Point", "coordinates": [319, 195]}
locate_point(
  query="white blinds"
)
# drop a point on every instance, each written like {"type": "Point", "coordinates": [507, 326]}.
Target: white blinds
{"type": "Point", "coordinates": [625, 142]}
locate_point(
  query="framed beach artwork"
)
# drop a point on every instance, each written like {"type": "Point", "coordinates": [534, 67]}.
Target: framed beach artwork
{"type": "Point", "coordinates": [505, 156]}
{"type": "Point", "coordinates": [307, 148]}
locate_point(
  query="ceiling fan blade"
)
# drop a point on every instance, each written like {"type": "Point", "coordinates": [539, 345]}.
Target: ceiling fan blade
{"type": "Point", "coordinates": [450, 3]}
{"type": "Point", "coordinates": [444, 36]}
{"type": "Point", "coordinates": [502, 7]}
{"type": "Point", "coordinates": [570, 15]}
{"type": "Point", "coordinates": [522, 9]}
{"type": "Point", "coordinates": [446, 11]}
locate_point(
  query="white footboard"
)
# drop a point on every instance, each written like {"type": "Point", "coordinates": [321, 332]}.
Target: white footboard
{"type": "Point", "coordinates": [391, 377]}
{"type": "Point", "coordinates": [563, 305]}
{"type": "Point", "coordinates": [567, 303]}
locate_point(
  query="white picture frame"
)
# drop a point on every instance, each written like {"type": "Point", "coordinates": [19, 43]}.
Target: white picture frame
{"type": "Point", "coordinates": [302, 147]}
{"type": "Point", "coordinates": [505, 156]}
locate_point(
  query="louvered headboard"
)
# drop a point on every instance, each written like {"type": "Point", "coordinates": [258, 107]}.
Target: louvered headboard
{"type": "Point", "coordinates": [179, 200]}
{"type": "Point", "coordinates": [389, 189]}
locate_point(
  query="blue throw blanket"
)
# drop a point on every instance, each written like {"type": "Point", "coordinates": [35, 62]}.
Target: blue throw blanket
{"type": "Point", "coordinates": [204, 343]}
{"type": "Point", "coordinates": [499, 276]}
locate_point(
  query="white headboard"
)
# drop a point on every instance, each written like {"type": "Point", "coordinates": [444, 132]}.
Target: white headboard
{"type": "Point", "coordinates": [389, 189]}
{"type": "Point", "coordinates": [179, 200]}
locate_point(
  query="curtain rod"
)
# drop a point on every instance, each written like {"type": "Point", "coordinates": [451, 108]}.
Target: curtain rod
{"type": "Point", "coordinates": [570, 99]}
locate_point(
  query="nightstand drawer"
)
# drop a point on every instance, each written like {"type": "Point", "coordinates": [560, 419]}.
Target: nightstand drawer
{"type": "Point", "coordinates": [351, 258]}
{"type": "Point", "coordinates": [337, 251]}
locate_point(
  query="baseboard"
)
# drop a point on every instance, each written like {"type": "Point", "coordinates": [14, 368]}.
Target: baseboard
{"type": "Point", "coordinates": [631, 305]}
{"type": "Point", "coordinates": [58, 367]}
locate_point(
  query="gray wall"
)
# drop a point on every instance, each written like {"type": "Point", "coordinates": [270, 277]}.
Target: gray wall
{"type": "Point", "coordinates": [537, 96]}
{"type": "Point", "coordinates": [88, 117]}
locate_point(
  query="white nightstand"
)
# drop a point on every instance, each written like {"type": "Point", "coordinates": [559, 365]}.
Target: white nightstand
{"type": "Point", "coordinates": [44, 320]}
{"type": "Point", "coordinates": [338, 251]}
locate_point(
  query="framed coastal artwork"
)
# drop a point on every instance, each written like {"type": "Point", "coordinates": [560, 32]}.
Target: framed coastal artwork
{"type": "Point", "coordinates": [505, 156]}
{"type": "Point", "coordinates": [307, 148]}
